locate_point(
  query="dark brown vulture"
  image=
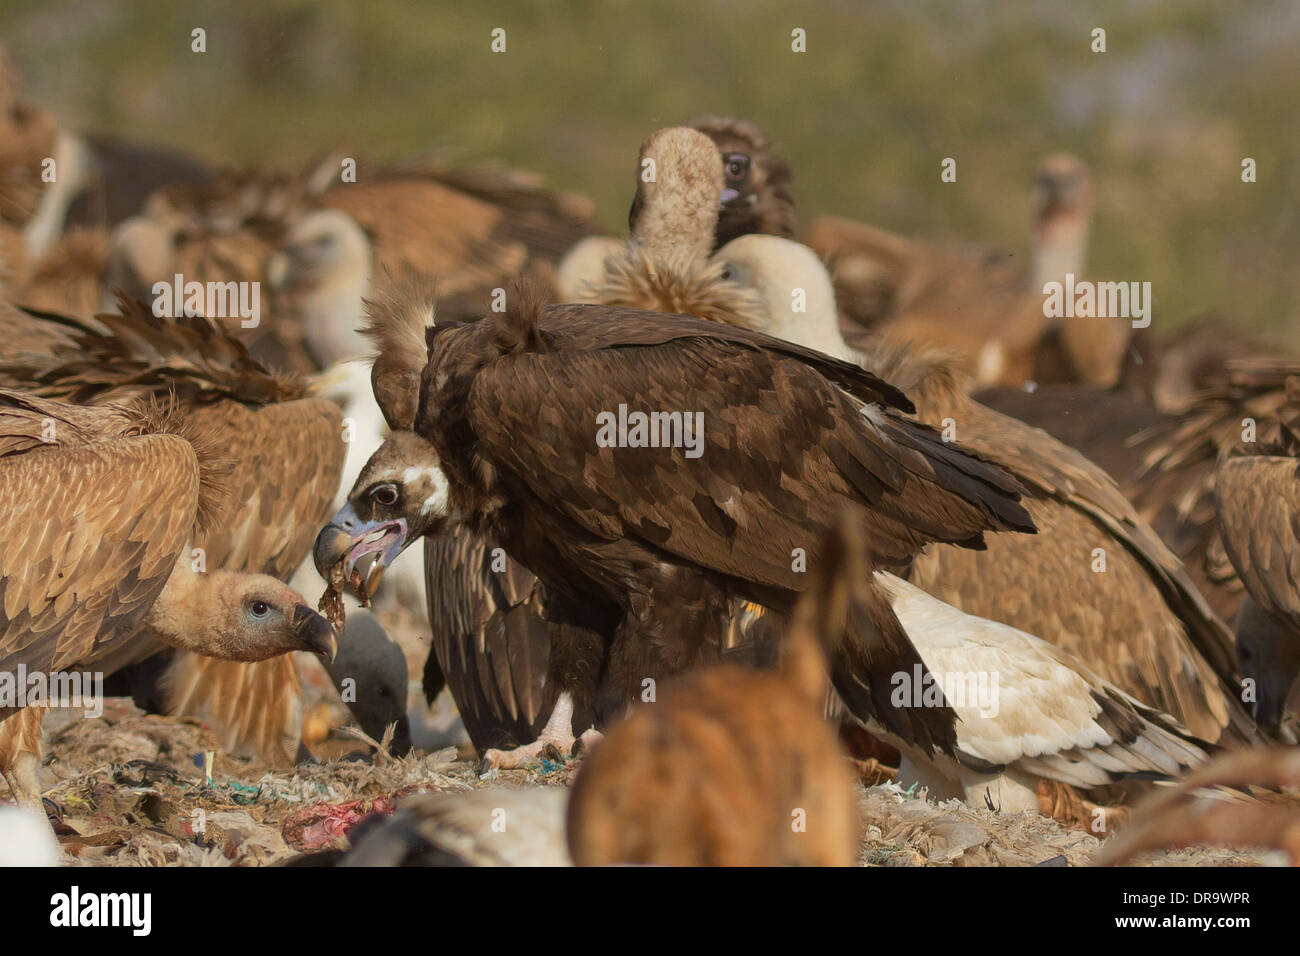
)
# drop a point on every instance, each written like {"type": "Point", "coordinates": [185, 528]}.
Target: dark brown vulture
{"type": "Point", "coordinates": [1096, 581]}
{"type": "Point", "coordinates": [705, 776]}
{"type": "Point", "coordinates": [490, 637]}
{"type": "Point", "coordinates": [756, 195]}
{"type": "Point", "coordinates": [286, 450]}
{"type": "Point", "coordinates": [100, 507]}
{"type": "Point", "coordinates": [646, 546]}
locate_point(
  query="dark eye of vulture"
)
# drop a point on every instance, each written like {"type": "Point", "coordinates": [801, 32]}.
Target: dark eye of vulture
{"type": "Point", "coordinates": [385, 494]}
{"type": "Point", "coordinates": [737, 167]}
{"type": "Point", "coordinates": [260, 609]}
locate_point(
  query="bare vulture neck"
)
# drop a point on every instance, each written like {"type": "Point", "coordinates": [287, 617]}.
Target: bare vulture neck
{"type": "Point", "coordinates": [676, 212]}
{"type": "Point", "coordinates": [1060, 245]}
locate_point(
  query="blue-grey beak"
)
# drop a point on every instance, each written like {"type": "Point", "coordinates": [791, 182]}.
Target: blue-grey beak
{"type": "Point", "coordinates": [351, 541]}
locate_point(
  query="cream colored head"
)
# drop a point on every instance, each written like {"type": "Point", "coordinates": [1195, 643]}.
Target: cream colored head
{"type": "Point", "coordinates": [796, 290]}
{"type": "Point", "coordinates": [240, 617]}
{"type": "Point", "coordinates": [324, 269]}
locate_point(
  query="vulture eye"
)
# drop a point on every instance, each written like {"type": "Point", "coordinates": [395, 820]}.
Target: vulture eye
{"type": "Point", "coordinates": [384, 494]}
{"type": "Point", "coordinates": [259, 609]}
{"type": "Point", "coordinates": [731, 272]}
{"type": "Point", "coordinates": [737, 166]}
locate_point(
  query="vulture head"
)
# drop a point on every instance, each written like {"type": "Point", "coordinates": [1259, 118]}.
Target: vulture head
{"type": "Point", "coordinates": [142, 250]}
{"type": "Point", "coordinates": [240, 617]}
{"type": "Point", "coordinates": [1064, 187]}
{"type": "Point", "coordinates": [401, 495]}
{"type": "Point", "coordinates": [378, 667]}
{"type": "Point", "coordinates": [1063, 211]}
{"type": "Point", "coordinates": [1269, 653]}
{"type": "Point", "coordinates": [795, 289]}
{"type": "Point", "coordinates": [323, 267]}
{"type": "Point", "coordinates": [318, 246]}
{"type": "Point", "coordinates": [756, 195]}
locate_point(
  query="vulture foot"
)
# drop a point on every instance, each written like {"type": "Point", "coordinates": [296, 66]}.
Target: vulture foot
{"type": "Point", "coordinates": [555, 742]}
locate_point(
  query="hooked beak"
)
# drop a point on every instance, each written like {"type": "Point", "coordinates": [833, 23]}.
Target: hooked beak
{"type": "Point", "coordinates": [316, 634]}
{"type": "Point", "coordinates": [353, 542]}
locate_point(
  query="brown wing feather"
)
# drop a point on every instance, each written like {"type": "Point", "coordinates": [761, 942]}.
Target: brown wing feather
{"type": "Point", "coordinates": [428, 227]}
{"type": "Point", "coordinates": [489, 639]}
{"type": "Point", "coordinates": [81, 567]}
{"type": "Point", "coordinates": [754, 470]}
{"type": "Point", "coordinates": [1174, 652]}
{"type": "Point", "coordinates": [1258, 501]}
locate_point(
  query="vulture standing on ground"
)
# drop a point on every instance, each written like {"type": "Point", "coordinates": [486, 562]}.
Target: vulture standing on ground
{"type": "Point", "coordinates": [473, 229]}
{"type": "Point", "coordinates": [490, 639]}
{"type": "Point", "coordinates": [100, 507]}
{"type": "Point", "coordinates": [646, 546]}
{"type": "Point", "coordinates": [1140, 623]}
{"type": "Point", "coordinates": [287, 454]}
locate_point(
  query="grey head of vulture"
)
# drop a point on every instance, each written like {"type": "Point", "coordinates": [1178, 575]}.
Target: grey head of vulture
{"type": "Point", "coordinates": [370, 672]}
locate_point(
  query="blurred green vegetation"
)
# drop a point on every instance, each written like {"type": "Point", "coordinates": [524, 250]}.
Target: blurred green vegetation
{"type": "Point", "coordinates": [885, 91]}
